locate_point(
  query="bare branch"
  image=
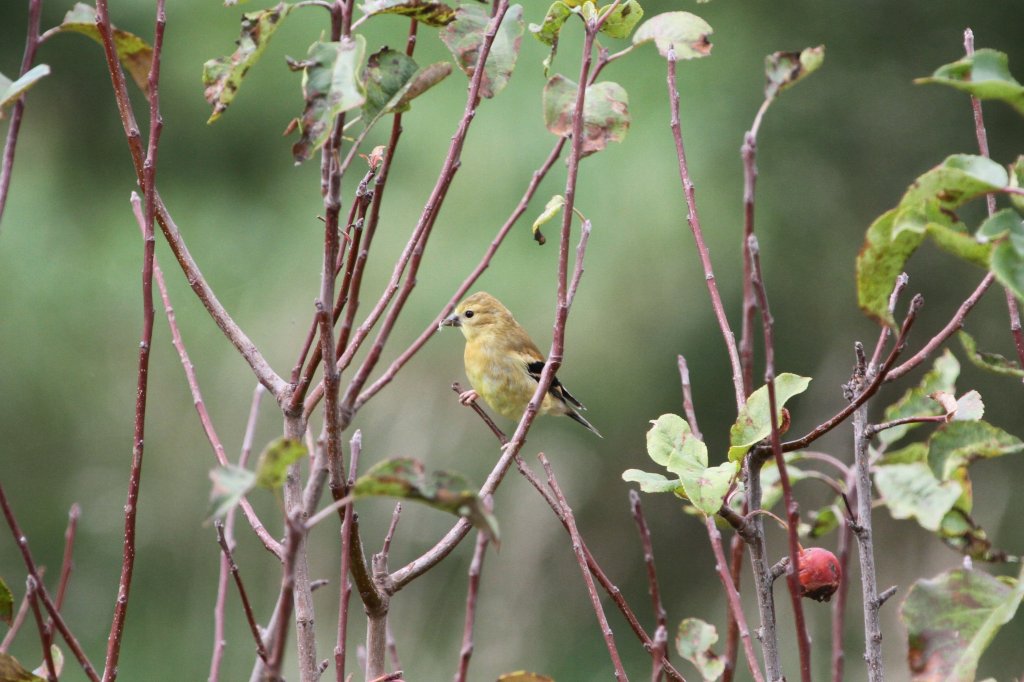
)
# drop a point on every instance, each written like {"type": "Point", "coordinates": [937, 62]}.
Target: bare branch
{"type": "Point", "coordinates": [698, 235]}
{"type": "Point", "coordinates": [792, 511]}
{"type": "Point", "coordinates": [261, 650]}
{"type": "Point", "coordinates": [22, 541]}
{"type": "Point", "coordinates": [35, 9]}
{"type": "Point", "coordinates": [581, 559]}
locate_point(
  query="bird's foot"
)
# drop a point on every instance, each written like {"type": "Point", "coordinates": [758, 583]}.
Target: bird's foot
{"type": "Point", "coordinates": [468, 397]}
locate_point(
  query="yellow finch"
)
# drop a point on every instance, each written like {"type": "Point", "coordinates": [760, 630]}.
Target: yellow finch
{"type": "Point", "coordinates": [503, 364]}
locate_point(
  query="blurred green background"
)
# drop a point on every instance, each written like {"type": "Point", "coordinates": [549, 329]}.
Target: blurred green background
{"type": "Point", "coordinates": [834, 153]}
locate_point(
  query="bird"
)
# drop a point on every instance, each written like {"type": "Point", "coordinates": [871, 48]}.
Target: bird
{"type": "Point", "coordinates": [503, 364]}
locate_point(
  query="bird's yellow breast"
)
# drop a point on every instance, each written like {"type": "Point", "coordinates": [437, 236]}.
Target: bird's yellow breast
{"type": "Point", "coordinates": [503, 381]}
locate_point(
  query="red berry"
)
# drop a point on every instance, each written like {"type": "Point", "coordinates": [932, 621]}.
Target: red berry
{"type": "Point", "coordinates": [819, 573]}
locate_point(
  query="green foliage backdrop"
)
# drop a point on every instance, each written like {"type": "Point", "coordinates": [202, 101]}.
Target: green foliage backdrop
{"type": "Point", "coordinates": [833, 155]}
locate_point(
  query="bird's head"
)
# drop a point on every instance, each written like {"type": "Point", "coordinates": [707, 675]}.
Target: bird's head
{"type": "Point", "coordinates": [477, 313]}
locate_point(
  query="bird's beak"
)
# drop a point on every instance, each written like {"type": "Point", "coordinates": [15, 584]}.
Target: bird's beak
{"type": "Point", "coordinates": [452, 320]}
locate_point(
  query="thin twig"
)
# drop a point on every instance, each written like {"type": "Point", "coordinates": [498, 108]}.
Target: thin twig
{"type": "Point", "coordinates": [650, 644]}
{"type": "Point", "coordinates": [475, 568]}
{"type": "Point", "coordinates": [269, 541]}
{"type": "Point", "coordinates": [261, 650]}
{"type": "Point", "coordinates": [660, 615]}
{"type": "Point", "coordinates": [31, 588]}
{"type": "Point", "coordinates": [792, 511]}
{"type": "Point", "coordinates": [955, 323]}
{"type": "Point", "coordinates": [581, 559]}
{"type": "Point", "coordinates": [698, 235]}
{"type": "Point", "coordinates": [16, 623]}
{"type": "Point", "coordinates": [691, 415]}
{"type": "Point", "coordinates": [885, 373]}
{"type": "Point", "coordinates": [35, 10]}
{"type": "Point", "coordinates": [733, 597]}
{"type": "Point", "coordinates": [347, 519]}
{"type": "Point", "coordinates": [869, 588]}
{"type": "Point", "coordinates": [110, 668]}
{"type": "Point", "coordinates": [22, 541]}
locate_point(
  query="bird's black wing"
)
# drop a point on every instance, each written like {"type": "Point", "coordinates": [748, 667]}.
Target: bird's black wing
{"type": "Point", "coordinates": [535, 368]}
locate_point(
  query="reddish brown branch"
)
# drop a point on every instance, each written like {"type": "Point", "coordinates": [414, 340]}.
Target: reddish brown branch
{"type": "Point", "coordinates": [475, 568]}
{"type": "Point", "coordinates": [698, 235]}
{"type": "Point", "coordinates": [22, 541]}
{"type": "Point", "coordinates": [792, 511]}
{"type": "Point", "coordinates": [35, 9]}
{"type": "Point", "coordinates": [250, 618]}
{"type": "Point", "coordinates": [581, 559]}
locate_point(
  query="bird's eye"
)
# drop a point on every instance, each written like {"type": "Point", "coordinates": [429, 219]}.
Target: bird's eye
{"type": "Point", "coordinates": [469, 314]}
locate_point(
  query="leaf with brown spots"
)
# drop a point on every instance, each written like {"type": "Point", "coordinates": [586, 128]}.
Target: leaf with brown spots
{"type": "Point", "coordinates": [783, 70]}
{"type": "Point", "coordinates": [465, 35]}
{"type": "Point", "coordinates": [330, 85]}
{"type": "Point", "coordinates": [605, 112]}
{"type": "Point", "coordinates": [952, 618]}
{"type": "Point", "coordinates": [685, 34]}
{"type": "Point", "coordinates": [135, 53]}
{"type": "Point", "coordinates": [423, 11]}
{"type": "Point", "coordinates": [407, 479]}
{"type": "Point", "coordinates": [222, 77]}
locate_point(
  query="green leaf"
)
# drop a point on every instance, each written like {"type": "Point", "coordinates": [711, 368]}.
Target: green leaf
{"type": "Point", "coordinates": [423, 11]}
{"type": "Point", "coordinates": [985, 75]}
{"type": "Point", "coordinates": [879, 263]}
{"type": "Point", "coordinates": [465, 36]}
{"type": "Point", "coordinates": [551, 209]}
{"type": "Point", "coordinates": [957, 180]}
{"type": "Point", "coordinates": [992, 362]}
{"type": "Point", "coordinates": [911, 491]}
{"type": "Point", "coordinates": [407, 479]}
{"type": "Point", "coordinates": [916, 401]}
{"type": "Point", "coordinates": [547, 31]}
{"type": "Point", "coordinates": [960, 443]}
{"type": "Point", "coordinates": [12, 671]}
{"type": "Point", "coordinates": [969, 407]}
{"type": "Point", "coordinates": [330, 85]}
{"type": "Point", "coordinates": [999, 224]}
{"type": "Point", "coordinates": [694, 640]}
{"type": "Point", "coordinates": [822, 521]}
{"type": "Point", "coordinates": [392, 79]}
{"type": "Point", "coordinates": [605, 112]}
{"type": "Point", "coordinates": [915, 452]}
{"type": "Point", "coordinates": [783, 70]}
{"type": "Point", "coordinates": [230, 485]}
{"type": "Point", "coordinates": [1017, 182]}
{"type": "Point", "coordinates": [652, 483]}
{"type": "Point", "coordinates": [952, 618]}
{"type": "Point", "coordinates": [135, 53]}
{"type": "Point", "coordinates": [671, 443]}
{"type": "Point", "coordinates": [684, 33]}
{"type": "Point", "coordinates": [419, 82]}
{"type": "Point", "coordinates": [10, 90]}
{"type": "Point", "coordinates": [272, 468]}
{"type": "Point", "coordinates": [706, 489]}
{"type": "Point", "coordinates": [6, 603]}
{"type": "Point", "coordinates": [896, 234]}
{"type": "Point", "coordinates": [754, 421]}
{"type": "Point", "coordinates": [1008, 267]}
{"type": "Point", "coordinates": [222, 77]}
{"type": "Point", "coordinates": [621, 22]}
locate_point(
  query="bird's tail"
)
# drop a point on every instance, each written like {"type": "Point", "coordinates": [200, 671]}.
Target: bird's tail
{"type": "Point", "coordinates": [575, 416]}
